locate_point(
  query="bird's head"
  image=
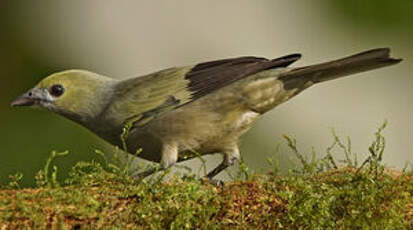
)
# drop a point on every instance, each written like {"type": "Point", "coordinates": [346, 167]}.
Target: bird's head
{"type": "Point", "coordinates": [75, 94]}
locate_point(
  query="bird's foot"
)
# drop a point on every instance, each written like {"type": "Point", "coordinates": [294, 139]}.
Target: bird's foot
{"type": "Point", "coordinates": [214, 182]}
{"type": "Point", "coordinates": [142, 175]}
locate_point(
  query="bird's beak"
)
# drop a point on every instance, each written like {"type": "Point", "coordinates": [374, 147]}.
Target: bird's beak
{"type": "Point", "coordinates": [30, 98]}
{"type": "Point", "coordinates": [23, 100]}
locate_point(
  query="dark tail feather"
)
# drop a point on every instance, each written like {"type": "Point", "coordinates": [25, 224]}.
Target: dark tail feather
{"type": "Point", "coordinates": [361, 62]}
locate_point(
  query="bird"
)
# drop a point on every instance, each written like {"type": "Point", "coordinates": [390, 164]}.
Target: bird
{"type": "Point", "coordinates": [183, 112]}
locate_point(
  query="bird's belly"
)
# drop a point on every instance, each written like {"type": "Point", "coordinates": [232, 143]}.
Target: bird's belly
{"type": "Point", "coordinates": [197, 130]}
{"type": "Point", "coordinates": [204, 135]}
{"type": "Point", "coordinates": [208, 125]}
{"type": "Point", "coordinates": [223, 135]}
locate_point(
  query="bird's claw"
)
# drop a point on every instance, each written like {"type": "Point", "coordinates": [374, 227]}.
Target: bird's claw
{"type": "Point", "coordinates": [214, 182]}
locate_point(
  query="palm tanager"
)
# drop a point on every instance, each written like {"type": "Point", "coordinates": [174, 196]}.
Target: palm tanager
{"type": "Point", "coordinates": [182, 112]}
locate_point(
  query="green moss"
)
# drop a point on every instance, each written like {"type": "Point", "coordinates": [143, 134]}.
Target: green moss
{"type": "Point", "coordinates": [321, 194]}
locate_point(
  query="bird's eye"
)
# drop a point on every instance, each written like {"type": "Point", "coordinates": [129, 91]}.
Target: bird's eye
{"type": "Point", "coordinates": [57, 90]}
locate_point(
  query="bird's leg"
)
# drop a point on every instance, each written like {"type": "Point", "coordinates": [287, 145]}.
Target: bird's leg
{"type": "Point", "coordinates": [169, 155]}
{"type": "Point", "coordinates": [169, 158]}
{"type": "Point", "coordinates": [230, 156]}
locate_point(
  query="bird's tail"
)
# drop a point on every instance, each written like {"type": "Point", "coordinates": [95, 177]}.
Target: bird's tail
{"type": "Point", "coordinates": [368, 60]}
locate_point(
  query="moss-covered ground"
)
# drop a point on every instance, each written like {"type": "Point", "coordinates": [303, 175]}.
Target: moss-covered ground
{"type": "Point", "coordinates": [321, 194]}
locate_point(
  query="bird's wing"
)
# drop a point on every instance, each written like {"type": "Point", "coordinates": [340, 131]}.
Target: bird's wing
{"type": "Point", "coordinates": [141, 99]}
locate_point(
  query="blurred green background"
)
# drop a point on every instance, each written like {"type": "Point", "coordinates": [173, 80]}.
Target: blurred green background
{"type": "Point", "coordinates": [122, 39]}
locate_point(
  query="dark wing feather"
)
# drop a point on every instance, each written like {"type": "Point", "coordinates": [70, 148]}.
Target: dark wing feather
{"type": "Point", "coordinates": [141, 99]}
{"type": "Point", "coordinates": [207, 77]}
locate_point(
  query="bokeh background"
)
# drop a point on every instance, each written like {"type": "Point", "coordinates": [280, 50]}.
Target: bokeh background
{"type": "Point", "coordinates": [122, 39]}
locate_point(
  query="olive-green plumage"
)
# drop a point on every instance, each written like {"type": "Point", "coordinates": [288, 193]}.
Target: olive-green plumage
{"type": "Point", "coordinates": [177, 112]}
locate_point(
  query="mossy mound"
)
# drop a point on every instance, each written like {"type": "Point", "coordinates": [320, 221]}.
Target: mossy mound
{"type": "Point", "coordinates": [95, 198]}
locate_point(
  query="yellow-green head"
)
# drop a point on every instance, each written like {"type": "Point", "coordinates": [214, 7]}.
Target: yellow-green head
{"type": "Point", "coordinates": [76, 94]}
